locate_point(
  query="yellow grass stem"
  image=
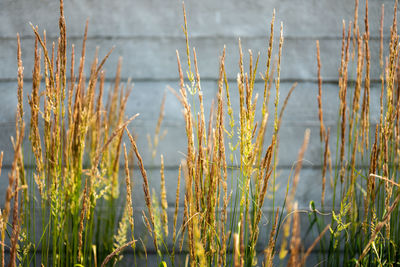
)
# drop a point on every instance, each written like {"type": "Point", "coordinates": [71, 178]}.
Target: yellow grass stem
{"type": "Point", "coordinates": [146, 188]}
{"type": "Point", "coordinates": [316, 241]}
{"type": "Point", "coordinates": [164, 203]}
{"type": "Point", "coordinates": [129, 195]}
{"type": "Point", "coordinates": [324, 166]}
{"type": "Point", "coordinates": [116, 252]}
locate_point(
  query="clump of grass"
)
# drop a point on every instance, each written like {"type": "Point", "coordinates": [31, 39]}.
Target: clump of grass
{"type": "Point", "coordinates": [221, 219]}
{"type": "Point", "coordinates": [77, 140]}
{"type": "Point", "coordinates": [364, 231]}
{"type": "Point", "coordinates": [76, 143]}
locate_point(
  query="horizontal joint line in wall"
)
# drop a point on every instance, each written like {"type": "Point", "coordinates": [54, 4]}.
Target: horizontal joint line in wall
{"type": "Point", "coordinates": [193, 37]}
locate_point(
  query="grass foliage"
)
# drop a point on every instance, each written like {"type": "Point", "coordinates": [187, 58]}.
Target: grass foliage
{"type": "Point", "coordinates": [228, 170]}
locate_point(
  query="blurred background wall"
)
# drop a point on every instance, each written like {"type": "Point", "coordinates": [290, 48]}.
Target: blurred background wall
{"type": "Point", "coordinates": [147, 33]}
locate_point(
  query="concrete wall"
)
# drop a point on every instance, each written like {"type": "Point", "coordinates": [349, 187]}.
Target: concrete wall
{"type": "Point", "coordinates": [147, 33]}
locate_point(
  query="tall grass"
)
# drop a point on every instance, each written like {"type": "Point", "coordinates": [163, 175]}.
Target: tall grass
{"type": "Point", "coordinates": [67, 211]}
{"type": "Point", "coordinates": [76, 143]}
{"type": "Point", "coordinates": [222, 214]}
{"type": "Point", "coordinates": [364, 225]}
